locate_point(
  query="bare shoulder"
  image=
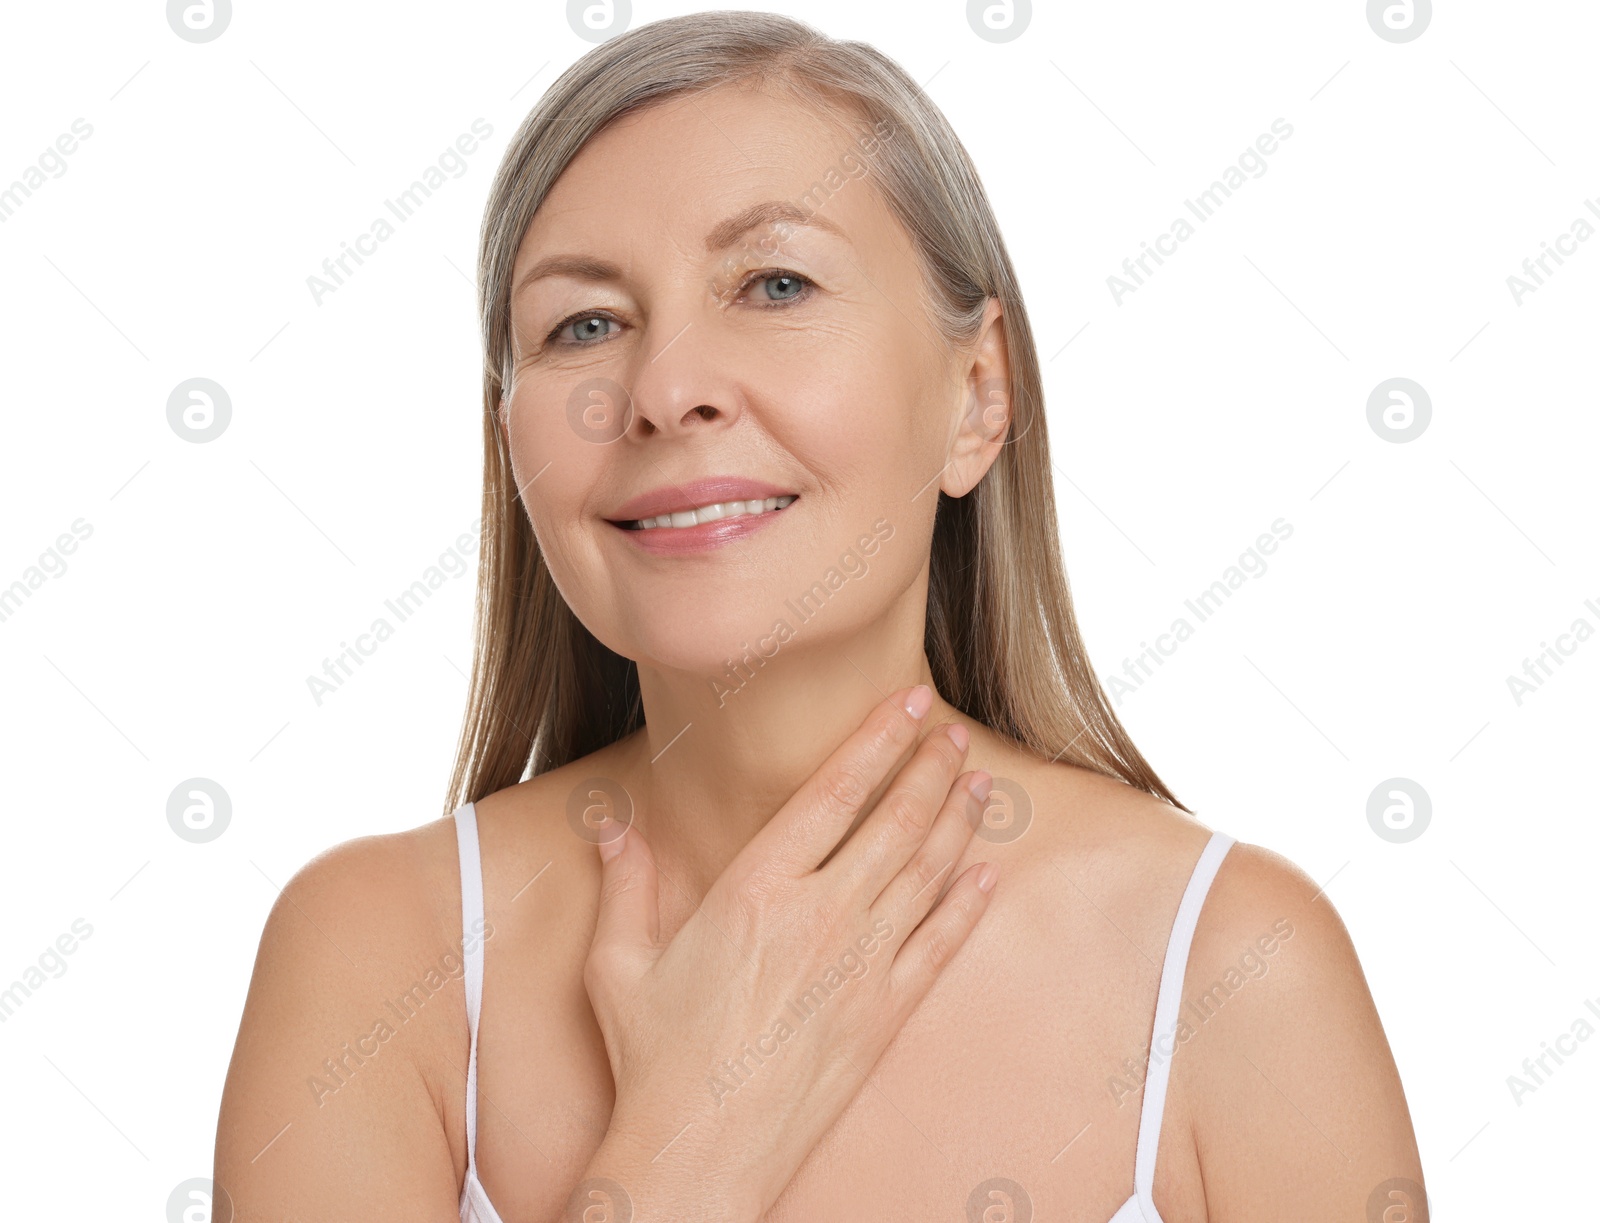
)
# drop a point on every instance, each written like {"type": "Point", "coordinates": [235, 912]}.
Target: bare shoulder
{"type": "Point", "coordinates": [379, 886]}
{"type": "Point", "coordinates": [365, 905]}
{"type": "Point", "coordinates": [342, 1086]}
{"type": "Point", "coordinates": [1283, 1076]}
{"type": "Point", "coordinates": [1059, 832]}
{"type": "Point", "coordinates": [538, 845]}
{"type": "Point", "coordinates": [1258, 889]}
{"type": "Point", "coordinates": [1284, 1100]}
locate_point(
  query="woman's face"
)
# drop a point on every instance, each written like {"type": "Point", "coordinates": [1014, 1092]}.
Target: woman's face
{"type": "Point", "coordinates": [679, 342]}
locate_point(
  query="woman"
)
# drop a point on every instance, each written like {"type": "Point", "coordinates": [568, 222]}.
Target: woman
{"type": "Point", "coordinates": [769, 555]}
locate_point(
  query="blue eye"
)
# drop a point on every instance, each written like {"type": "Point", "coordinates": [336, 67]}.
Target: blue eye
{"type": "Point", "coordinates": [797, 284]}
{"type": "Point", "coordinates": [585, 326]}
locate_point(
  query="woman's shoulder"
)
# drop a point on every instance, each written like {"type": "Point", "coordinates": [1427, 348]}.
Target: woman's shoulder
{"type": "Point", "coordinates": [376, 873]}
{"type": "Point", "coordinates": [370, 910]}
{"type": "Point", "coordinates": [394, 890]}
{"type": "Point", "coordinates": [1145, 852]}
{"type": "Point", "coordinates": [1118, 861]}
{"type": "Point", "coordinates": [537, 836]}
{"type": "Point", "coordinates": [1135, 852]}
{"type": "Point", "coordinates": [1072, 841]}
{"type": "Point", "coordinates": [1137, 855]}
{"type": "Point", "coordinates": [381, 899]}
{"type": "Point", "coordinates": [354, 1021]}
{"type": "Point", "coordinates": [1278, 1045]}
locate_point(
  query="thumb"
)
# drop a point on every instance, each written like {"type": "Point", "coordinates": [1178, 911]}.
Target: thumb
{"type": "Point", "coordinates": [629, 919]}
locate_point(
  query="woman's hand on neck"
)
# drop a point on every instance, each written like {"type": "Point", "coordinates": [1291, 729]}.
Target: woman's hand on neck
{"type": "Point", "coordinates": [716, 760]}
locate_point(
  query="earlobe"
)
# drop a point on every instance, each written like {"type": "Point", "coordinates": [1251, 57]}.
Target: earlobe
{"type": "Point", "coordinates": [985, 420]}
{"type": "Point", "coordinates": [988, 414]}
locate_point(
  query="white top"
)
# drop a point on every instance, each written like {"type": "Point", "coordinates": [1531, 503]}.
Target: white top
{"type": "Point", "coordinates": [1140, 1206]}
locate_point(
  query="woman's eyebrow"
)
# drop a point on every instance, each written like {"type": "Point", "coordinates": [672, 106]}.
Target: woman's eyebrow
{"type": "Point", "coordinates": [579, 267]}
{"type": "Point", "coordinates": [768, 212]}
{"type": "Point", "coordinates": [723, 235]}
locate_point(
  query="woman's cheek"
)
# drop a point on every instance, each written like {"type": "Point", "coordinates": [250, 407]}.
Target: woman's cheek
{"type": "Point", "coordinates": [554, 472]}
{"type": "Point", "coordinates": [543, 440]}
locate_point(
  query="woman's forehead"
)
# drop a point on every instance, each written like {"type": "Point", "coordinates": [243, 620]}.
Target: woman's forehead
{"type": "Point", "coordinates": [689, 166]}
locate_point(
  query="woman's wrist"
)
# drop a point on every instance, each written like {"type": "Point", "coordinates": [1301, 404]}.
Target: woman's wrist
{"type": "Point", "coordinates": [630, 1181]}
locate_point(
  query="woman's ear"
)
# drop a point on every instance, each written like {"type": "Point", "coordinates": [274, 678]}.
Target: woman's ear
{"type": "Point", "coordinates": [985, 410]}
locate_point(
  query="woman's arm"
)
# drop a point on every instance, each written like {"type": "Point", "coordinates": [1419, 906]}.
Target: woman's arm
{"type": "Point", "coordinates": [1296, 1104]}
{"type": "Point", "coordinates": [331, 1109]}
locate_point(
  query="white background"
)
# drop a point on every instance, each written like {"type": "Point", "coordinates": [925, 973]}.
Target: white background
{"type": "Point", "coordinates": [1227, 392]}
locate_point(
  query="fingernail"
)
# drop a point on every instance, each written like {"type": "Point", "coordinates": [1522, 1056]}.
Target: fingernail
{"type": "Point", "coordinates": [987, 874]}
{"type": "Point", "coordinates": [958, 735]}
{"type": "Point", "coordinates": [919, 702]}
{"type": "Point", "coordinates": [980, 783]}
{"type": "Point", "coordinates": [611, 845]}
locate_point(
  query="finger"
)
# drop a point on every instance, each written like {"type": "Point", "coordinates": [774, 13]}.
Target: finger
{"type": "Point", "coordinates": [918, 886]}
{"type": "Point", "coordinates": [900, 823]}
{"type": "Point", "coordinates": [629, 920]}
{"type": "Point", "coordinates": [942, 933]}
{"type": "Point", "coordinates": [811, 824]}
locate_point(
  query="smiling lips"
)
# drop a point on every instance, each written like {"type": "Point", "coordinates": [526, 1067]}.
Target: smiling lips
{"type": "Point", "coordinates": [701, 514]}
{"type": "Point", "coordinates": [680, 519]}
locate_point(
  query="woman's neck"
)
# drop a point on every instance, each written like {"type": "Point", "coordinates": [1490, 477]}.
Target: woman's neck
{"type": "Point", "coordinates": [714, 763]}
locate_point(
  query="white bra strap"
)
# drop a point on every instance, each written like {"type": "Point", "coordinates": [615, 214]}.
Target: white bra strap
{"type": "Point", "coordinates": [472, 956]}
{"type": "Point", "coordinates": [1169, 997]}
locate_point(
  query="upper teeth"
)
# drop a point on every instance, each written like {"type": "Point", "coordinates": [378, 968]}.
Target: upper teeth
{"type": "Point", "coordinates": [710, 513]}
